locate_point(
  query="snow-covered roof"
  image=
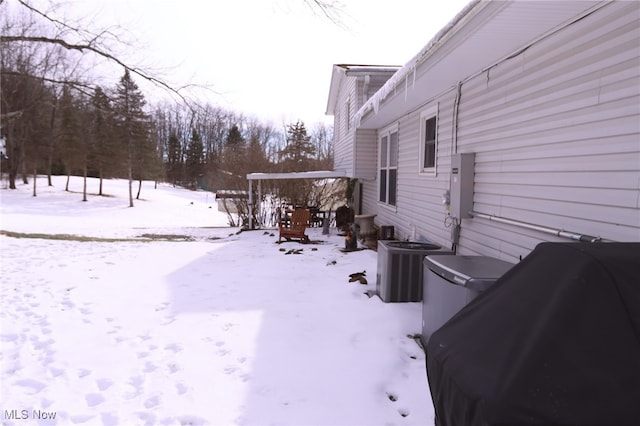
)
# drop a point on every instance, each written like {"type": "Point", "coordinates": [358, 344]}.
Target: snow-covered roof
{"type": "Point", "coordinates": [482, 34]}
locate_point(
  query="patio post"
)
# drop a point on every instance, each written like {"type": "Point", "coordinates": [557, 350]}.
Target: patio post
{"type": "Point", "coordinates": [250, 204]}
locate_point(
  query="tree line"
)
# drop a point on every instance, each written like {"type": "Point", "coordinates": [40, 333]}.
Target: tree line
{"type": "Point", "coordinates": [57, 118]}
{"type": "Point", "coordinates": [111, 133]}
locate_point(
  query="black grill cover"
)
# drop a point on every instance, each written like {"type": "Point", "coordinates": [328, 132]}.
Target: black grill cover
{"type": "Point", "coordinates": [556, 340]}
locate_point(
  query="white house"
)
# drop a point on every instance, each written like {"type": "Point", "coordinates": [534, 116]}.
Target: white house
{"type": "Point", "coordinates": [525, 115]}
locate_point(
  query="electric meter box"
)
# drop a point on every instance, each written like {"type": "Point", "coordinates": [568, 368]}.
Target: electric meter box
{"type": "Point", "coordinates": [462, 171]}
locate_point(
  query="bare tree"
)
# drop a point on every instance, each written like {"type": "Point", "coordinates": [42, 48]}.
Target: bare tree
{"type": "Point", "coordinates": [332, 10]}
{"type": "Point", "coordinates": [74, 38]}
{"type": "Point", "coordinates": [26, 100]}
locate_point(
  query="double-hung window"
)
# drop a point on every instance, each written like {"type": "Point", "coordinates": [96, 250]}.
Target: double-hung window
{"type": "Point", "coordinates": [428, 141]}
{"type": "Point", "coordinates": [388, 172]}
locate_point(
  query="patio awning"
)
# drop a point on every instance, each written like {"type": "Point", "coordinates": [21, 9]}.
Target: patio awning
{"type": "Point", "coordinates": [316, 174]}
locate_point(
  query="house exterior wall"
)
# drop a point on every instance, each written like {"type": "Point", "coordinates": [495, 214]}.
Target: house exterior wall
{"type": "Point", "coordinates": [343, 155]}
{"type": "Point", "coordinates": [556, 133]}
{"type": "Point", "coordinates": [351, 153]}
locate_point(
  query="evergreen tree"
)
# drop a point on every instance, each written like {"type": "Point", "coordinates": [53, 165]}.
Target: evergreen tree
{"type": "Point", "coordinates": [69, 133]}
{"type": "Point", "coordinates": [297, 156]}
{"type": "Point", "coordinates": [299, 152]}
{"type": "Point", "coordinates": [132, 124]}
{"type": "Point", "coordinates": [146, 161]}
{"type": "Point", "coordinates": [174, 159]}
{"type": "Point", "coordinates": [106, 154]}
{"type": "Point", "coordinates": [194, 160]}
{"type": "Point", "coordinates": [256, 157]}
{"type": "Point", "coordinates": [234, 169]}
{"type": "Point", "coordinates": [234, 156]}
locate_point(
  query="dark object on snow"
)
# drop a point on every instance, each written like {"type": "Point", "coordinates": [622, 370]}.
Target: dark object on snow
{"type": "Point", "coordinates": [358, 276]}
{"type": "Point", "coordinates": [344, 217]}
{"type": "Point", "coordinates": [294, 251]}
{"type": "Point", "coordinates": [556, 340]}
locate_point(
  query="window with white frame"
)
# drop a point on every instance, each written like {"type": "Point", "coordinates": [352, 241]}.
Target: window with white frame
{"type": "Point", "coordinates": [388, 161]}
{"type": "Point", "coordinates": [428, 140]}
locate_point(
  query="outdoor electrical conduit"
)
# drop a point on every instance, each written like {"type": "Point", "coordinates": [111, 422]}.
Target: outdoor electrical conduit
{"type": "Point", "coordinates": [557, 232]}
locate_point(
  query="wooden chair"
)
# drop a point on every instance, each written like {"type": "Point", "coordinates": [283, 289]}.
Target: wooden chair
{"type": "Point", "coordinates": [296, 226]}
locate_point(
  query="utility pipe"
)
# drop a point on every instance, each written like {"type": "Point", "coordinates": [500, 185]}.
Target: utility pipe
{"type": "Point", "coordinates": [557, 232]}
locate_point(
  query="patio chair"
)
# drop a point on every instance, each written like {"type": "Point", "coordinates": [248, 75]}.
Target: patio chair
{"type": "Point", "coordinates": [295, 227]}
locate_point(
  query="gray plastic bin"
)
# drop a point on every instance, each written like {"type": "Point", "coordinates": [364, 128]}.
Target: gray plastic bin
{"type": "Point", "coordinates": [450, 282]}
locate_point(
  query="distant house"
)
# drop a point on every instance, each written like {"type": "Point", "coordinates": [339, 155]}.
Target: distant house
{"type": "Point", "coordinates": [524, 115]}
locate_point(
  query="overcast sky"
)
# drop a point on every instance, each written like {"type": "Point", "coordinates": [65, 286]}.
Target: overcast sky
{"type": "Point", "coordinates": [271, 59]}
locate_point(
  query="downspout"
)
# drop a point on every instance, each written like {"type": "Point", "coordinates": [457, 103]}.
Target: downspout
{"type": "Point", "coordinates": [557, 232]}
{"type": "Point", "coordinates": [450, 221]}
{"type": "Point", "coordinates": [454, 129]}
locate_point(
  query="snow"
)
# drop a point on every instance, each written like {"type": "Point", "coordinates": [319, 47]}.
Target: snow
{"type": "Point", "coordinates": [224, 329]}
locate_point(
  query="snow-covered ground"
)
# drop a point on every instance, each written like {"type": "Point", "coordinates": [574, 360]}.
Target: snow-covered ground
{"type": "Point", "coordinates": [224, 329]}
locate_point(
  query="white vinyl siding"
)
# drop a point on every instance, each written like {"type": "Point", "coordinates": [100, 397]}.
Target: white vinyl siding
{"type": "Point", "coordinates": [347, 114]}
{"type": "Point", "coordinates": [343, 155]}
{"type": "Point", "coordinates": [366, 155]}
{"type": "Point", "coordinates": [556, 132]}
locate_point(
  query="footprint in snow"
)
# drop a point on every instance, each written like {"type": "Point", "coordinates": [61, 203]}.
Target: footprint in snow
{"type": "Point", "coordinates": [181, 388]}
{"type": "Point", "coordinates": [149, 367]}
{"type": "Point", "coordinates": [223, 352]}
{"type": "Point", "coordinates": [103, 384]}
{"type": "Point", "coordinates": [154, 401]}
{"type": "Point", "coordinates": [403, 413]}
{"type": "Point", "coordinates": [230, 369]}
{"type": "Point", "coordinates": [109, 419]}
{"type": "Point", "coordinates": [94, 399]}
{"type": "Point", "coordinates": [55, 372]}
{"type": "Point", "coordinates": [34, 385]}
{"type": "Point", "coordinates": [45, 403]}
{"type": "Point", "coordinates": [174, 347]}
